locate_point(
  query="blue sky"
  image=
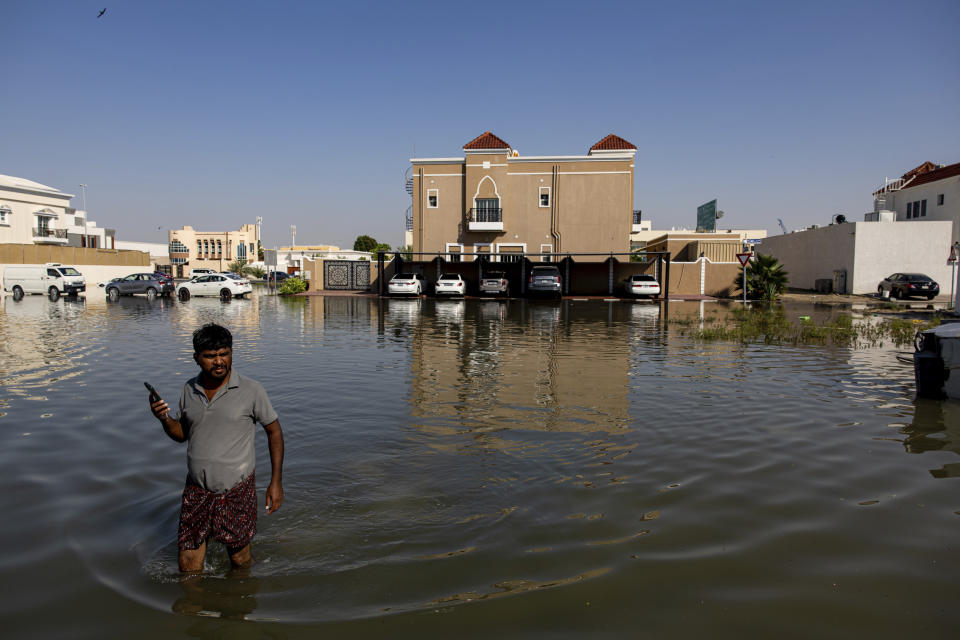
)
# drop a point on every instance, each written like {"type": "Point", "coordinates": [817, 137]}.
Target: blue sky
{"type": "Point", "coordinates": [211, 113]}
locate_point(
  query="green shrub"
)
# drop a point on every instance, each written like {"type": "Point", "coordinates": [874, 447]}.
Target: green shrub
{"type": "Point", "coordinates": [291, 286]}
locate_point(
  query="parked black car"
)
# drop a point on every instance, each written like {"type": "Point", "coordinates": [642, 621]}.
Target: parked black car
{"type": "Point", "coordinates": [278, 276]}
{"type": "Point", "coordinates": [906, 285]}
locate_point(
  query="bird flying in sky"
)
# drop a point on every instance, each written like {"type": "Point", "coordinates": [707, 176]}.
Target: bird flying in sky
{"type": "Point", "coordinates": [102, 11]}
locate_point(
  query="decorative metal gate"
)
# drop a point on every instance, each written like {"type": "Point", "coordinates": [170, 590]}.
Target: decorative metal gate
{"type": "Point", "coordinates": [346, 274]}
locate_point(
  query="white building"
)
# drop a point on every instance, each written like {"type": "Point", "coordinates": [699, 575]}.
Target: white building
{"type": "Point", "coordinates": [290, 259]}
{"type": "Point", "coordinates": [82, 232]}
{"type": "Point", "coordinates": [925, 193]}
{"type": "Point", "coordinates": [32, 213]}
{"type": "Point", "coordinates": [856, 256]}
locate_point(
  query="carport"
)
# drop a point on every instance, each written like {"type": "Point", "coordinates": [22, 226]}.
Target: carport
{"type": "Point", "coordinates": [587, 277]}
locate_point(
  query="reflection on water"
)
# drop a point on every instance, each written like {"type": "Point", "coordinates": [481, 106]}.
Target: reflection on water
{"type": "Point", "coordinates": [504, 467]}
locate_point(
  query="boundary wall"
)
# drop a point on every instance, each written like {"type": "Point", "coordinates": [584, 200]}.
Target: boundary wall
{"type": "Point", "coordinates": [96, 265]}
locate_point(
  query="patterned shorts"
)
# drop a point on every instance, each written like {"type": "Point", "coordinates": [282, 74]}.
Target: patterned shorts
{"type": "Point", "coordinates": [229, 517]}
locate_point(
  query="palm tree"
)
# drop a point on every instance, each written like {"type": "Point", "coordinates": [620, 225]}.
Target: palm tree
{"type": "Point", "coordinates": [766, 278]}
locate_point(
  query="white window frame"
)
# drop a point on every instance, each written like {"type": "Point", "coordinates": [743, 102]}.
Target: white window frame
{"type": "Point", "coordinates": [5, 213]}
{"type": "Point", "coordinates": [522, 245]}
{"type": "Point", "coordinates": [476, 254]}
{"type": "Point", "coordinates": [448, 254]}
{"type": "Point", "coordinates": [540, 197]}
{"type": "Point", "coordinates": [549, 249]}
{"type": "Point", "coordinates": [436, 194]}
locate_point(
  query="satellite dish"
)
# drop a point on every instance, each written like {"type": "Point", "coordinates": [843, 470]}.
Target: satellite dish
{"type": "Point", "coordinates": [839, 218]}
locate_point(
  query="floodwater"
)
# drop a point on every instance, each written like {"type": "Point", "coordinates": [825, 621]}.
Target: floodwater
{"type": "Point", "coordinates": [478, 468]}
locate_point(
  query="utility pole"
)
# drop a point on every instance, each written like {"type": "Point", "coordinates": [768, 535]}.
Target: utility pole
{"type": "Point", "coordinates": [259, 244]}
{"type": "Point", "coordinates": [293, 236]}
{"type": "Point", "coordinates": [83, 191]}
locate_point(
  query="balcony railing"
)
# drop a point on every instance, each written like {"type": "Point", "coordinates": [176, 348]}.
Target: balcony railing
{"type": "Point", "coordinates": [486, 219]}
{"type": "Point", "coordinates": [486, 215]}
{"type": "Point", "coordinates": [46, 232]}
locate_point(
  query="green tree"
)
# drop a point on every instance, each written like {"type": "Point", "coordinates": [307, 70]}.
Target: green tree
{"type": "Point", "coordinates": [364, 243]}
{"type": "Point", "coordinates": [406, 252]}
{"type": "Point", "coordinates": [259, 251]}
{"type": "Point", "coordinates": [236, 266]}
{"type": "Point", "coordinates": [766, 278]}
{"type": "Point", "coordinates": [256, 272]}
{"type": "Point", "coordinates": [382, 246]}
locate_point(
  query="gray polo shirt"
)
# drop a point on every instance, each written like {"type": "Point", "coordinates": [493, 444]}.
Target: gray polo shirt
{"type": "Point", "coordinates": [220, 433]}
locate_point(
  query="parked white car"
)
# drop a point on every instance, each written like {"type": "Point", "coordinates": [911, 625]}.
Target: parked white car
{"type": "Point", "coordinates": [641, 285]}
{"type": "Point", "coordinates": [52, 278]}
{"type": "Point", "coordinates": [214, 285]}
{"type": "Point", "coordinates": [406, 284]}
{"type": "Point", "coordinates": [450, 284]}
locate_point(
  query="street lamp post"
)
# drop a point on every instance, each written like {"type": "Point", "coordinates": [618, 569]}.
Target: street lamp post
{"type": "Point", "coordinates": [259, 225]}
{"type": "Point", "coordinates": [83, 191]}
{"type": "Point", "coordinates": [293, 236]}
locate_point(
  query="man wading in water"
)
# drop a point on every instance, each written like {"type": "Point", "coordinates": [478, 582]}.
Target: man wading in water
{"type": "Point", "coordinates": [218, 411]}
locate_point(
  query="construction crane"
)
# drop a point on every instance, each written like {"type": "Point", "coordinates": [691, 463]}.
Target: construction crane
{"type": "Point", "coordinates": [782, 226]}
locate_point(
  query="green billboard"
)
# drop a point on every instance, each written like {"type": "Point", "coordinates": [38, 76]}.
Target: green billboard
{"type": "Point", "coordinates": [707, 216]}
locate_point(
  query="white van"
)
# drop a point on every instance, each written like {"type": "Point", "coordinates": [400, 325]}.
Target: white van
{"type": "Point", "coordinates": [51, 277]}
{"type": "Point", "coordinates": [201, 272]}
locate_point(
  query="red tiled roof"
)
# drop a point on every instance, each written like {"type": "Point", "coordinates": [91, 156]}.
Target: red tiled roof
{"type": "Point", "coordinates": [923, 177]}
{"type": "Point", "coordinates": [924, 168]}
{"type": "Point", "coordinates": [486, 140]}
{"type": "Point", "coordinates": [612, 143]}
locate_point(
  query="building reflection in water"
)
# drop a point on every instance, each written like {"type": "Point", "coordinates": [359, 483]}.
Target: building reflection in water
{"type": "Point", "coordinates": [481, 367]}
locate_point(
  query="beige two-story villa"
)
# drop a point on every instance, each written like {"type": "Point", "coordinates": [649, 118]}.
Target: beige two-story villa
{"type": "Point", "coordinates": [497, 202]}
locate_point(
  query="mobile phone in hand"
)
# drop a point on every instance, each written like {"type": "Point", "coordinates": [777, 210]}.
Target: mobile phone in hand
{"type": "Point", "coordinates": [154, 396]}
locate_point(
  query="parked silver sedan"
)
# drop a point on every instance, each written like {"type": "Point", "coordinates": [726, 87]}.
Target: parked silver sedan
{"type": "Point", "coordinates": [495, 282]}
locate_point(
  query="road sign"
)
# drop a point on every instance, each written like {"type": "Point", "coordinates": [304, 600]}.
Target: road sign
{"type": "Point", "coordinates": [744, 258]}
